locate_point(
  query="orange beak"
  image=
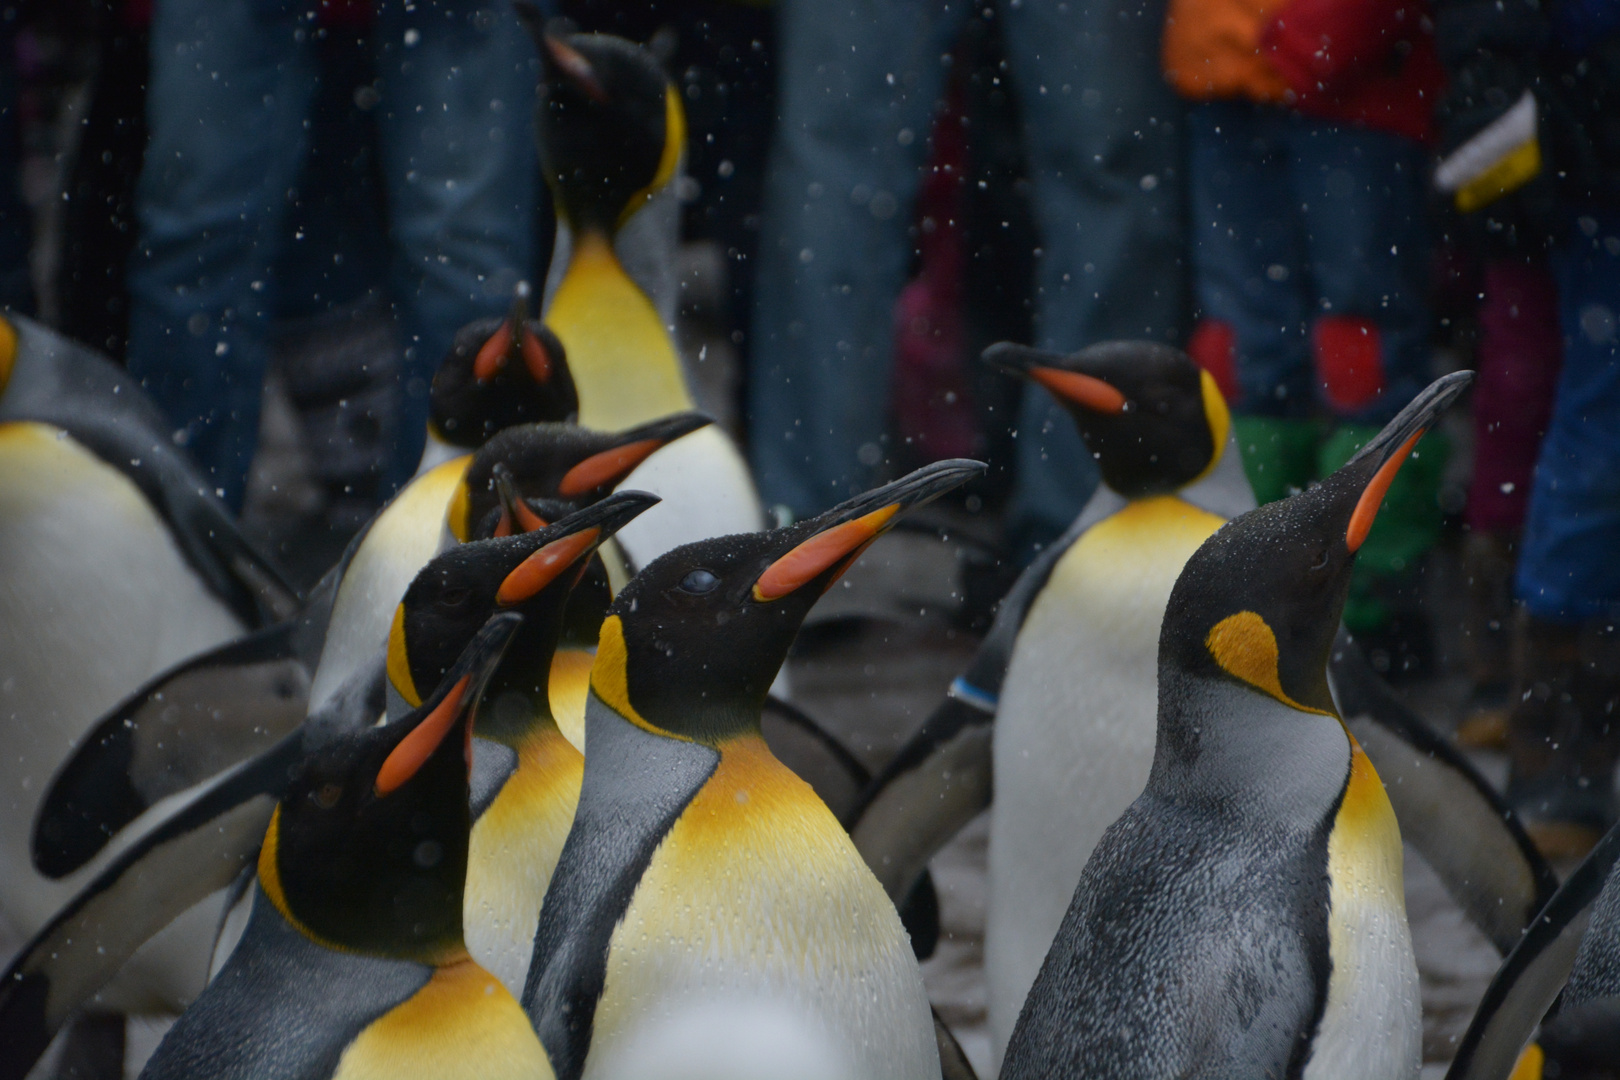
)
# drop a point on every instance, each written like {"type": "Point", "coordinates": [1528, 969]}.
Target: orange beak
{"type": "Point", "coordinates": [1083, 390]}
{"type": "Point", "coordinates": [414, 749]}
{"type": "Point", "coordinates": [545, 566]}
{"type": "Point", "coordinates": [821, 552]}
{"type": "Point", "coordinates": [1372, 496]}
{"type": "Point", "coordinates": [606, 467]}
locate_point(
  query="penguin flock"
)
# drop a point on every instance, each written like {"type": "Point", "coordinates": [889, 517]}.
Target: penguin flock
{"type": "Point", "coordinates": [514, 791]}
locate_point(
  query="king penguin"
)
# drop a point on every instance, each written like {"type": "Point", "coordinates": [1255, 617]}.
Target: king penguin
{"type": "Point", "coordinates": [611, 133]}
{"type": "Point", "coordinates": [703, 885]}
{"type": "Point", "coordinates": [526, 775]}
{"type": "Point", "coordinates": [353, 963]}
{"type": "Point", "coordinates": [1245, 916]}
{"type": "Point", "coordinates": [117, 561]}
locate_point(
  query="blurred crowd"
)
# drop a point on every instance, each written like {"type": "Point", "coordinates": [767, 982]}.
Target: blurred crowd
{"type": "Point", "coordinates": [1324, 202]}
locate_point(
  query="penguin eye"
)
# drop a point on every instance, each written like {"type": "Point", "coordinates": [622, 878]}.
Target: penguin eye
{"type": "Point", "coordinates": [327, 795]}
{"type": "Point", "coordinates": [699, 582]}
{"type": "Point", "coordinates": [1321, 559]}
{"type": "Point", "coordinates": [454, 597]}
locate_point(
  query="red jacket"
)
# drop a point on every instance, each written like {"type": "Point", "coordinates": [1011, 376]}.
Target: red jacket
{"type": "Point", "coordinates": [1368, 62]}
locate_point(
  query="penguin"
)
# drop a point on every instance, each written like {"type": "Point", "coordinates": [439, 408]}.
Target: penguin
{"type": "Point", "coordinates": [117, 561]}
{"type": "Point", "coordinates": [121, 768]}
{"type": "Point", "coordinates": [1563, 977]}
{"type": "Point", "coordinates": [611, 131]}
{"type": "Point", "coordinates": [1245, 915]}
{"type": "Point", "coordinates": [353, 962]}
{"type": "Point", "coordinates": [526, 774]}
{"type": "Point", "coordinates": [702, 884]}
{"type": "Point", "coordinates": [1068, 673]}
{"type": "Point", "coordinates": [499, 373]}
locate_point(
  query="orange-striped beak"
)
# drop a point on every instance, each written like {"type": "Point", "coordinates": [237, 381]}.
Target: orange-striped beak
{"type": "Point", "coordinates": [581, 532]}
{"type": "Point", "coordinates": [608, 467]}
{"type": "Point", "coordinates": [1073, 387]}
{"type": "Point", "coordinates": [839, 536]}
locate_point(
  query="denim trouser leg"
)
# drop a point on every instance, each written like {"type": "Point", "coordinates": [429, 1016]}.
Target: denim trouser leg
{"type": "Point", "coordinates": [455, 125]}
{"type": "Point", "coordinates": [1298, 219]}
{"type": "Point", "coordinates": [858, 80]}
{"type": "Point", "coordinates": [1569, 565]}
{"type": "Point", "coordinates": [230, 86]}
{"type": "Point", "coordinates": [1103, 140]}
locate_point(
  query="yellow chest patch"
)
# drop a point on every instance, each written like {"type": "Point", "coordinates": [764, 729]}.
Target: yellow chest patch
{"type": "Point", "coordinates": [568, 687]}
{"type": "Point", "coordinates": [757, 893]}
{"type": "Point", "coordinates": [512, 852]}
{"type": "Point", "coordinates": [462, 1024]}
{"type": "Point", "coordinates": [1364, 849]}
{"type": "Point", "coordinates": [619, 352]}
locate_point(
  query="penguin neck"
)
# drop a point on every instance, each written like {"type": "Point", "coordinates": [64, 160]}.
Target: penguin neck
{"type": "Point", "coordinates": [619, 352]}
{"type": "Point", "coordinates": [519, 710]}
{"type": "Point", "coordinates": [1236, 750]}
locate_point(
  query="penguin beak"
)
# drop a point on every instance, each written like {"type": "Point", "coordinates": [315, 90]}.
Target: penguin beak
{"type": "Point", "coordinates": [608, 467]}
{"type": "Point", "coordinates": [844, 532]}
{"type": "Point", "coordinates": [516, 516]}
{"type": "Point", "coordinates": [1045, 368]}
{"type": "Point", "coordinates": [496, 352]}
{"type": "Point", "coordinates": [454, 703]}
{"type": "Point", "coordinates": [573, 66]}
{"type": "Point", "coordinates": [1390, 447]}
{"type": "Point", "coordinates": [576, 536]}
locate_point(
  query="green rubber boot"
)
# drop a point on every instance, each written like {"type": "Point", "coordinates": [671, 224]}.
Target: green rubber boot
{"type": "Point", "coordinates": [1383, 582]}
{"type": "Point", "coordinates": [1279, 456]}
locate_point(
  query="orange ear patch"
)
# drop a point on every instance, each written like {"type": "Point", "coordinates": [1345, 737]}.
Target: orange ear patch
{"type": "Point", "coordinates": [1361, 520]}
{"type": "Point", "coordinates": [820, 553]}
{"type": "Point", "coordinates": [414, 749]}
{"type": "Point", "coordinates": [1083, 390]}
{"type": "Point", "coordinates": [607, 467]}
{"type": "Point", "coordinates": [493, 354]}
{"type": "Point", "coordinates": [1245, 646]}
{"type": "Point", "coordinates": [544, 567]}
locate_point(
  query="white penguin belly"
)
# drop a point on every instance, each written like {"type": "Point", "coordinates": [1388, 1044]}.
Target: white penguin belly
{"type": "Point", "coordinates": [1372, 1025]}
{"type": "Point", "coordinates": [757, 904]}
{"type": "Point", "coordinates": [1075, 729]}
{"type": "Point", "coordinates": [408, 533]}
{"type": "Point", "coordinates": [95, 598]}
{"type": "Point", "coordinates": [707, 491]}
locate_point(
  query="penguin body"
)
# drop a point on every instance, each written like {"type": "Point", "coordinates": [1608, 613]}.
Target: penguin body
{"type": "Point", "coordinates": [1245, 916]}
{"type": "Point", "coordinates": [352, 965]}
{"type": "Point", "coordinates": [612, 131]}
{"type": "Point", "coordinates": [115, 564]}
{"type": "Point", "coordinates": [700, 872]}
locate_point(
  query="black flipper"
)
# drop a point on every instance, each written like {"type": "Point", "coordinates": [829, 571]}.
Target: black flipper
{"type": "Point", "coordinates": [193, 721]}
{"type": "Point", "coordinates": [953, 1064]}
{"type": "Point", "coordinates": [1446, 810]}
{"type": "Point", "coordinates": [60, 382]}
{"type": "Point", "coordinates": [1534, 973]}
{"type": "Point", "coordinates": [636, 785]}
{"type": "Point", "coordinates": [197, 850]}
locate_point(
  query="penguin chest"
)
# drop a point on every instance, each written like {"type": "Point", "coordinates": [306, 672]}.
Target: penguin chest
{"type": "Point", "coordinates": [512, 852]}
{"type": "Point", "coordinates": [96, 597]}
{"type": "Point", "coordinates": [462, 1024]}
{"type": "Point", "coordinates": [706, 490]}
{"type": "Point", "coordinates": [567, 688]}
{"type": "Point", "coordinates": [398, 544]}
{"type": "Point", "coordinates": [755, 916]}
{"type": "Point", "coordinates": [619, 352]}
{"type": "Point", "coordinates": [1371, 1024]}
{"type": "Point", "coordinates": [1075, 726]}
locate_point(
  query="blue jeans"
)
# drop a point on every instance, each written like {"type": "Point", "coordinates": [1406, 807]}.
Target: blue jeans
{"type": "Point", "coordinates": [231, 87]}
{"type": "Point", "coordinates": [859, 82]}
{"type": "Point", "coordinates": [1295, 220]}
{"type": "Point", "coordinates": [1569, 565]}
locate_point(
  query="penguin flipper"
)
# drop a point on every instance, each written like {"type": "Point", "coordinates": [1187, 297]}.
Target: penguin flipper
{"type": "Point", "coordinates": [953, 1063]}
{"type": "Point", "coordinates": [1530, 979]}
{"type": "Point", "coordinates": [938, 783]}
{"type": "Point", "coordinates": [197, 851]}
{"type": "Point", "coordinates": [1446, 810]}
{"type": "Point", "coordinates": [814, 754]}
{"type": "Point", "coordinates": [191, 722]}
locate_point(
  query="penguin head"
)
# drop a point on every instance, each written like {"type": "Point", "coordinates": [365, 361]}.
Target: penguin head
{"type": "Point", "coordinates": [531, 573]}
{"type": "Point", "coordinates": [367, 849]}
{"type": "Point", "coordinates": [501, 373]}
{"type": "Point", "coordinates": [611, 127]}
{"type": "Point", "coordinates": [561, 462]}
{"type": "Point", "coordinates": [1154, 420]}
{"type": "Point", "coordinates": [1260, 601]}
{"type": "Point", "coordinates": [691, 645]}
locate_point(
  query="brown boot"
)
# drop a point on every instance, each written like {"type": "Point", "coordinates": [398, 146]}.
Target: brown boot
{"type": "Point", "coordinates": [1488, 620]}
{"type": "Point", "coordinates": [1562, 735]}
